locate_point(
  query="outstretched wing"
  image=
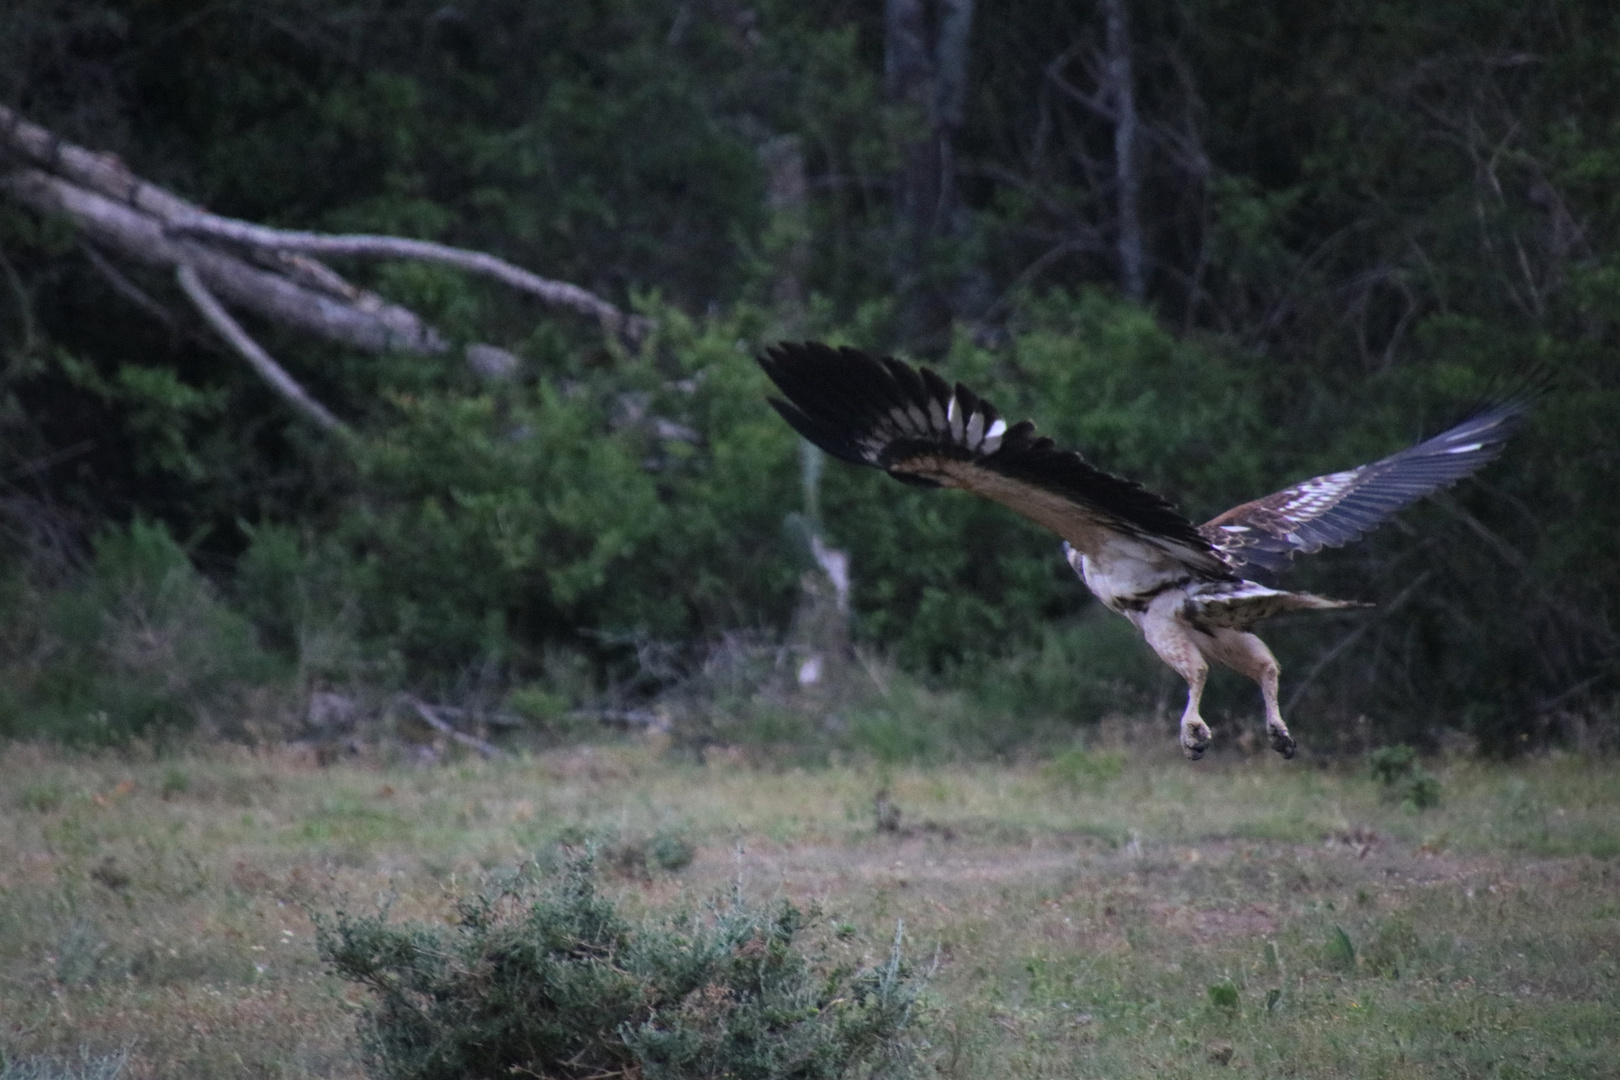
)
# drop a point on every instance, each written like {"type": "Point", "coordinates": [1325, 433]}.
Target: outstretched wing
{"type": "Point", "coordinates": [920, 430]}
{"type": "Point", "coordinates": [1331, 510]}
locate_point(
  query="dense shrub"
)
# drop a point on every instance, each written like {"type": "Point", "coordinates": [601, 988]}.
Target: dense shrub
{"type": "Point", "coordinates": [1403, 778]}
{"type": "Point", "coordinates": [554, 980]}
{"type": "Point", "coordinates": [138, 643]}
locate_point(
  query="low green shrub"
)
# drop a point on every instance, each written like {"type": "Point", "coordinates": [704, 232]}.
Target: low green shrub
{"type": "Point", "coordinates": [140, 643]}
{"type": "Point", "coordinates": [550, 978]}
{"type": "Point", "coordinates": [1340, 952]}
{"type": "Point", "coordinates": [1403, 779]}
{"type": "Point", "coordinates": [1393, 949]}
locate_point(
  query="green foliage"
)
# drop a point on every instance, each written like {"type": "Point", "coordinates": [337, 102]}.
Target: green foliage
{"type": "Point", "coordinates": [1393, 949]}
{"type": "Point", "coordinates": [619, 503]}
{"type": "Point", "coordinates": [1392, 764]}
{"type": "Point", "coordinates": [1397, 769]}
{"type": "Point", "coordinates": [141, 643]}
{"type": "Point", "coordinates": [1340, 951]}
{"type": "Point", "coordinates": [556, 981]}
{"type": "Point", "coordinates": [1224, 995]}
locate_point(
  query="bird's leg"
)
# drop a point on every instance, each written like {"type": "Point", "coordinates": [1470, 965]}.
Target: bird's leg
{"type": "Point", "coordinates": [1281, 741]}
{"type": "Point", "coordinates": [1248, 656]}
{"type": "Point", "coordinates": [1173, 640]}
{"type": "Point", "coordinates": [1194, 732]}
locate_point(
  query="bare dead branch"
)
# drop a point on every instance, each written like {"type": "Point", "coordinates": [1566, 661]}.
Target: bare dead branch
{"type": "Point", "coordinates": [114, 226]}
{"type": "Point", "coordinates": [50, 461]}
{"type": "Point", "coordinates": [277, 278]}
{"type": "Point", "coordinates": [1086, 242]}
{"type": "Point", "coordinates": [1098, 103]}
{"type": "Point", "coordinates": [105, 174]}
{"type": "Point", "coordinates": [449, 731]}
{"type": "Point", "coordinates": [250, 350]}
{"type": "Point", "coordinates": [558, 293]}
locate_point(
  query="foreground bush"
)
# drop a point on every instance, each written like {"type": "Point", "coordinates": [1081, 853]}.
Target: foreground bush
{"type": "Point", "coordinates": [555, 981]}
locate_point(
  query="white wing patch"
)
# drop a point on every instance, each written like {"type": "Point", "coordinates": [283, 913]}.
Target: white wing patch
{"type": "Point", "coordinates": [992, 438]}
{"type": "Point", "coordinates": [1315, 496]}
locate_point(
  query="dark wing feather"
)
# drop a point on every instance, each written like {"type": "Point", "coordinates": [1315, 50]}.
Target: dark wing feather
{"type": "Point", "coordinates": [920, 430]}
{"type": "Point", "coordinates": [1331, 510]}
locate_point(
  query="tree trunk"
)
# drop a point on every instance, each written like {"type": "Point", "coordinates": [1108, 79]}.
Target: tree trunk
{"type": "Point", "coordinates": [1121, 91]}
{"type": "Point", "coordinates": [787, 240]}
{"type": "Point", "coordinates": [925, 68]}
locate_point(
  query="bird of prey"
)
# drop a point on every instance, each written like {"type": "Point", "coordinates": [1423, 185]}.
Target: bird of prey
{"type": "Point", "coordinates": [1186, 587]}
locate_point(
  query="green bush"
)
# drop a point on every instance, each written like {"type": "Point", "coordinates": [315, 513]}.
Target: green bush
{"type": "Point", "coordinates": [1392, 764]}
{"type": "Point", "coordinates": [554, 980]}
{"type": "Point", "coordinates": [1403, 779]}
{"type": "Point", "coordinates": [1393, 949]}
{"type": "Point", "coordinates": [140, 643]}
{"type": "Point", "coordinates": [1340, 951]}
{"type": "Point", "coordinates": [604, 504]}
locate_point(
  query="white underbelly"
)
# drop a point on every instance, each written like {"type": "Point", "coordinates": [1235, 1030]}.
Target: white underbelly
{"type": "Point", "coordinates": [1124, 569]}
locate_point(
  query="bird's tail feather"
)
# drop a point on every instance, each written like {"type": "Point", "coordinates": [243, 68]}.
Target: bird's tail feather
{"type": "Point", "coordinates": [1240, 605]}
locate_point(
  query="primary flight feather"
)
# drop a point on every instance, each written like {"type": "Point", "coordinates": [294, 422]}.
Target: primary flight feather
{"type": "Point", "coordinates": [1182, 585]}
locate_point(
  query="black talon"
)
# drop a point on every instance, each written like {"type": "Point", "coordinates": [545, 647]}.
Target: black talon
{"type": "Point", "coordinates": [1195, 749]}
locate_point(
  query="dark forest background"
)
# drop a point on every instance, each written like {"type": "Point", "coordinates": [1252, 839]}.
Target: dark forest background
{"type": "Point", "coordinates": [1219, 246]}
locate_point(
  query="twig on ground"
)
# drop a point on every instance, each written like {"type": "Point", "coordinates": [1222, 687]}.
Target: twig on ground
{"type": "Point", "coordinates": [448, 730]}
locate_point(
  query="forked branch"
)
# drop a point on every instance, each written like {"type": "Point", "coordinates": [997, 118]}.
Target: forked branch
{"type": "Point", "coordinates": [276, 278]}
{"type": "Point", "coordinates": [248, 349]}
{"type": "Point", "coordinates": [559, 293]}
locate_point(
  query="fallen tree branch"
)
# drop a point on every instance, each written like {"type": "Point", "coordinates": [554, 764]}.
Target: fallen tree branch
{"type": "Point", "coordinates": [109, 177]}
{"type": "Point", "coordinates": [449, 731]}
{"type": "Point", "coordinates": [250, 350]}
{"type": "Point", "coordinates": [117, 227]}
{"type": "Point", "coordinates": [103, 173]}
{"type": "Point", "coordinates": [559, 293]}
{"type": "Point", "coordinates": [277, 278]}
{"type": "Point", "coordinates": [650, 719]}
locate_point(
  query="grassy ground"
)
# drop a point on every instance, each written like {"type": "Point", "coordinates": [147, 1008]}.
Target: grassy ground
{"type": "Point", "coordinates": [1098, 916]}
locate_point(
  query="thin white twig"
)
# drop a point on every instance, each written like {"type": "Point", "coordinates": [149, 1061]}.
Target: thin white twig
{"type": "Point", "coordinates": [270, 371]}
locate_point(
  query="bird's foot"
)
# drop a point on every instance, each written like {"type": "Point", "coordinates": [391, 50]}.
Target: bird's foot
{"type": "Point", "coordinates": [1194, 739]}
{"type": "Point", "coordinates": [1281, 741]}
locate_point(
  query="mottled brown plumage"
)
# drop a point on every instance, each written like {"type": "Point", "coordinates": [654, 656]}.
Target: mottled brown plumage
{"type": "Point", "coordinates": [1184, 586]}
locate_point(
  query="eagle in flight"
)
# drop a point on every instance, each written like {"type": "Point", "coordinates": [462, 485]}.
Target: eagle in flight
{"type": "Point", "coordinates": [1186, 587]}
